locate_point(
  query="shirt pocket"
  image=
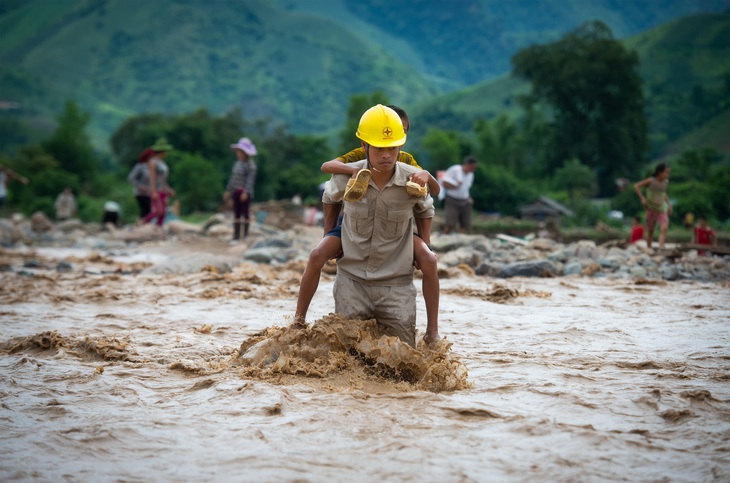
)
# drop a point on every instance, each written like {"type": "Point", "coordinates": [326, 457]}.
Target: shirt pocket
{"type": "Point", "coordinates": [397, 223]}
{"type": "Point", "coordinates": [362, 221]}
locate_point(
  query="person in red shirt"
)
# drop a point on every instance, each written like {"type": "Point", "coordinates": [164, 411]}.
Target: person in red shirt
{"type": "Point", "coordinates": [637, 230]}
{"type": "Point", "coordinates": [704, 235]}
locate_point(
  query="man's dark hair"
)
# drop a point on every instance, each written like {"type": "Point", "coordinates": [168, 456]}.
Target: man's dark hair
{"type": "Point", "coordinates": [470, 160]}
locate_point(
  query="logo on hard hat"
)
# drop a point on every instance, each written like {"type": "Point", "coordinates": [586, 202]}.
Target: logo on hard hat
{"type": "Point", "coordinates": [387, 132]}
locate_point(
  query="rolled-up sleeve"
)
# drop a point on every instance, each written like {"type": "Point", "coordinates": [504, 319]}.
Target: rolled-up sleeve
{"type": "Point", "coordinates": [334, 189]}
{"type": "Point", "coordinates": [424, 208]}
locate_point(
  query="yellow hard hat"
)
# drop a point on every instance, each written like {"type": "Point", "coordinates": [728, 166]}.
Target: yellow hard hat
{"type": "Point", "coordinates": [380, 126]}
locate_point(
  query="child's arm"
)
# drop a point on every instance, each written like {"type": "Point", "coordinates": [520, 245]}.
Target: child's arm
{"type": "Point", "coordinates": [423, 177]}
{"type": "Point", "coordinates": [637, 188]}
{"type": "Point", "coordinates": [335, 166]}
{"type": "Point", "coordinates": [669, 204]}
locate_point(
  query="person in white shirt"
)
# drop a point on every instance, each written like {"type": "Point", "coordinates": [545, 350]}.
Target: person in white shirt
{"type": "Point", "coordinates": [458, 203]}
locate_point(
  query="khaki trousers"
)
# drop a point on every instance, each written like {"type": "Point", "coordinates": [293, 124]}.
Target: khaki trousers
{"type": "Point", "coordinates": [393, 307]}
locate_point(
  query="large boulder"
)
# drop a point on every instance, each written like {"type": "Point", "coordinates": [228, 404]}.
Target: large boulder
{"type": "Point", "coordinates": [464, 255]}
{"type": "Point", "coordinates": [490, 269]}
{"type": "Point", "coordinates": [269, 254]}
{"type": "Point", "coordinates": [67, 226]}
{"type": "Point", "coordinates": [139, 234]}
{"type": "Point", "coordinates": [40, 223]}
{"type": "Point", "coordinates": [215, 220]}
{"type": "Point", "coordinates": [586, 249]}
{"type": "Point", "coordinates": [445, 243]}
{"type": "Point", "coordinates": [219, 230]}
{"type": "Point", "coordinates": [10, 234]}
{"type": "Point", "coordinates": [179, 227]}
{"type": "Point", "coordinates": [191, 263]}
{"type": "Point", "coordinates": [533, 268]}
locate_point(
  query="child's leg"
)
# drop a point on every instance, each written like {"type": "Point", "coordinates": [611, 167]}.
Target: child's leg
{"type": "Point", "coordinates": [328, 248]}
{"type": "Point", "coordinates": [154, 208]}
{"type": "Point", "coordinates": [426, 261]}
{"type": "Point", "coordinates": [663, 227]}
{"type": "Point", "coordinates": [650, 224]}
{"type": "Point", "coordinates": [163, 209]}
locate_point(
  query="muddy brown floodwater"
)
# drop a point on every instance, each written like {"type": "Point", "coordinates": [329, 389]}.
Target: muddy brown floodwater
{"type": "Point", "coordinates": [128, 377]}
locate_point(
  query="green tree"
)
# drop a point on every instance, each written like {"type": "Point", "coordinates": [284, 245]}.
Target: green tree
{"type": "Point", "coordinates": [196, 181]}
{"type": "Point", "coordinates": [70, 144]}
{"type": "Point", "coordinates": [591, 82]}
{"type": "Point", "coordinates": [496, 189]}
{"type": "Point", "coordinates": [577, 179]}
{"type": "Point", "coordinates": [442, 149]}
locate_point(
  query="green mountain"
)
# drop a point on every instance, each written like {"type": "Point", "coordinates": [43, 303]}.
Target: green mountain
{"type": "Point", "coordinates": [296, 62]}
{"type": "Point", "coordinates": [685, 65]}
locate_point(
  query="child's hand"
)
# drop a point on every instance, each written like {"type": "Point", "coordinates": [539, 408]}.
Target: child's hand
{"type": "Point", "coordinates": [422, 178]}
{"type": "Point", "coordinates": [244, 196]}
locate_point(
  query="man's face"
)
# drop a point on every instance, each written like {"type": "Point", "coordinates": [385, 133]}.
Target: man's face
{"type": "Point", "coordinates": [469, 168]}
{"type": "Point", "coordinates": [382, 159]}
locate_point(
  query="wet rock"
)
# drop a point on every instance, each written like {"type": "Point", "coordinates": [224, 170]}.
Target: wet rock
{"type": "Point", "coordinates": [144, 233]}
{"type": "Point", "coordinates": [462, 255]}
{"type": "Point", "coordinates": [638, 272]}
{"type": "Point", "coordinates": [191, 264]}
{"type": "Point", "coordinates": [179, 227]}
{"type": "Point", "coordinates": [269, 254]}
{"type": "Point", "coordinates": [10, 234]}
{"type": "Point", "coordinates": [91, 242]}
{"type": "Point", "coordinates": [272, 243]}
{"type": "Point", "coordinates": [535, 268]}
{"type": "Point", "coordinates": [669, 272]}
{"type": "Point", "coordinates": [32, 263]}
{"type": "Point", "coordinates": [445, 243]}
{"type": "Point", "coordinates": [215, 220]}
{"type": "Point", "coordinates": [64, 267]}
{"type": "Point", "coordinates": [68, 226]}
{"type": "Point", "coordinates": [40, 223]}
{"type": "Point", "coordinates": [586, 249]}
{"type": "Point", "coordinates": [220, 231]}
{"type": "Point", "coordinates": [572, 268]}
{"type": "Point", "coordinates": [543, 244]}
{"type": "Point", "coordinates": [490, 269]}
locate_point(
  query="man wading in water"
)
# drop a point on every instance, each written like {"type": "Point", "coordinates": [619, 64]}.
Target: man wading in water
{"type": "Point", "coordinates": [375, 273]}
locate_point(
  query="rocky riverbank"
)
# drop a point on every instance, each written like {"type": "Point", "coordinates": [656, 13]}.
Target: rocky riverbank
{"type": "Point", "coordinates": [285, 240]}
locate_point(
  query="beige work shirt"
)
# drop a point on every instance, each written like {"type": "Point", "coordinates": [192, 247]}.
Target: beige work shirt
{"type": "Point", "coordinates": [377, 231]}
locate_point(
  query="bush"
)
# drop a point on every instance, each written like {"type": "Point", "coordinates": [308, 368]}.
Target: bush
{"type": "Point", "coordinates": [197, 182]}
{"type": "Point", "coordinates": [44, 204]}
{"type": "Point", "coordinates": [495, 189]}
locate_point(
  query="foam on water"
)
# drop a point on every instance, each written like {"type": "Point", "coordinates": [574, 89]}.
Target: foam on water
{"type": "Point", "coordinates": [335, 345]}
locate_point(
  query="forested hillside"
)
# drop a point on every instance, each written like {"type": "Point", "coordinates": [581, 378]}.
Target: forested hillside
{"type": "Point", "coordinates": [685, 66]}
{"type": "Point", "coordinates": [293, 61]}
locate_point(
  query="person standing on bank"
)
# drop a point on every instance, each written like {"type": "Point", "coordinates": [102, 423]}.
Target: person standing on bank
{"type": "Point", "coordinates": [65, 204]}
{"type": "Point", "coordinates": [458, 202]}
{"type": "Point", "coordinates": [375, 274]}
{"type": "Point", "coordinates": [656, 202]}
{"type": "Point", "coordinates": [139, 177]}
{"type": "Point", "coordinates": [240, 186]}
{"type": "Point", "coordinates": [159, 189]}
